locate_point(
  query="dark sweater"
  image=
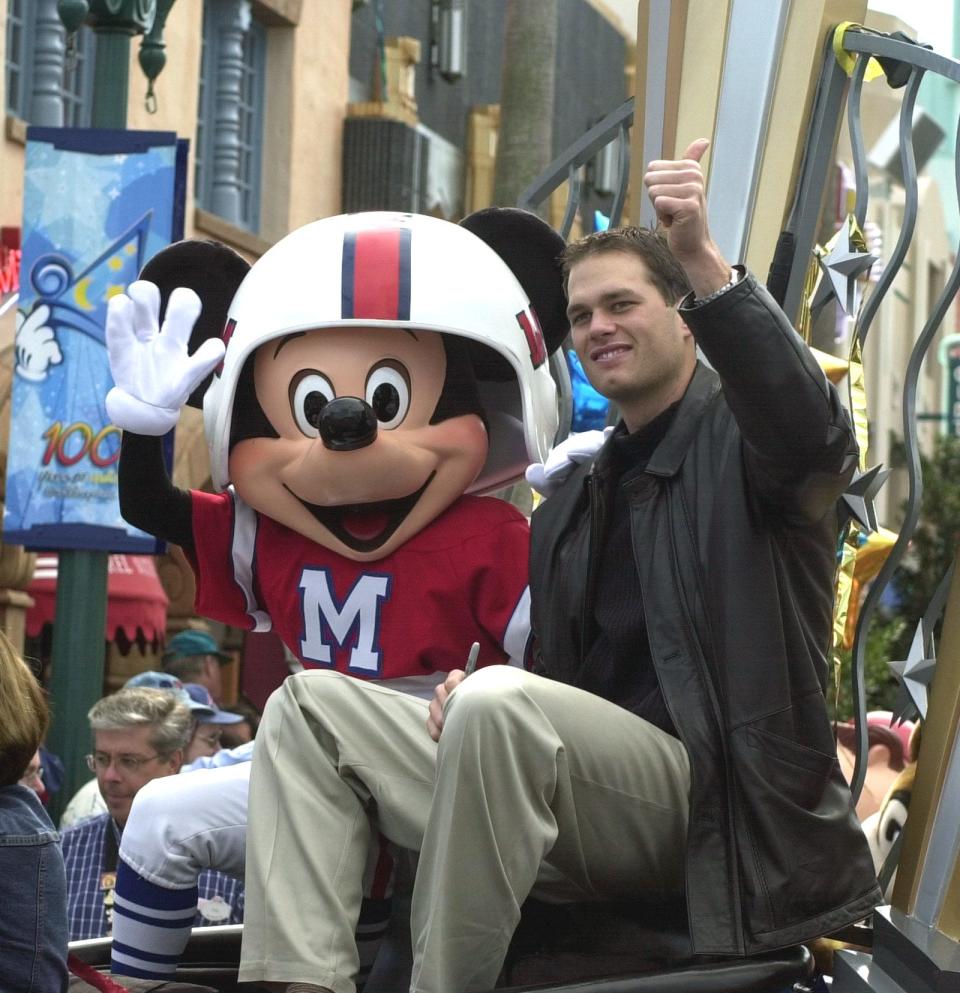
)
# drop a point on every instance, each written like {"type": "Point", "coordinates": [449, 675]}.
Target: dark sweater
{"type": "Point", "coordinates": [619, 666]}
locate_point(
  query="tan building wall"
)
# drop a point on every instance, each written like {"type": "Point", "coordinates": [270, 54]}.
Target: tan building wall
{"type": "Point", "coordinates": [305, 101]}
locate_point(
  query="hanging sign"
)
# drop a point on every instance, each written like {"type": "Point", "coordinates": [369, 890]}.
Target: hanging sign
{"type": "Point", "coordinates": [97, 204]}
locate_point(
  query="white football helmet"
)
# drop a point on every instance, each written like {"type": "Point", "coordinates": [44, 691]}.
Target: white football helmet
{"type": "Point", "coordinates": [403, 271]}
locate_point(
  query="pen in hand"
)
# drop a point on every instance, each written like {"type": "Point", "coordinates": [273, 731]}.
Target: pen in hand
{"type": "Point", "coordinates": [471, 659]}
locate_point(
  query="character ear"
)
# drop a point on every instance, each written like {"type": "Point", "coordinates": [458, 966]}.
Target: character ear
{"type": "Point", "coordinates": [213, 272]}
{"type": "Point", "coordinates": [532, 249]}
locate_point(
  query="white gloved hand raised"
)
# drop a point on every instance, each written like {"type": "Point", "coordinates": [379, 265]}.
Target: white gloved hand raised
{"type": "Point", "coordinates": [153, 373]}
{"type": "Point", "coordinates": [35, 344]}
{"type": "Point", "coordinates": [546, 477]}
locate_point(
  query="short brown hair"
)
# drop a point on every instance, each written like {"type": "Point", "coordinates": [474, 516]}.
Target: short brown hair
{"type": "Point", "coordinates": [649, 246]}
{"type": "Point", "coordinates": [24, 715]}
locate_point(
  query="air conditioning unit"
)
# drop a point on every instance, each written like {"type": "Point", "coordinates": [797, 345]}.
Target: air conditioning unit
{"type": "Point", "coordinates": [384, 165]}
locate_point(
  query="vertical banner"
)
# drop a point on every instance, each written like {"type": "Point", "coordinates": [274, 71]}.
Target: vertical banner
{"type": "Point", "coordinates": [97, 205]}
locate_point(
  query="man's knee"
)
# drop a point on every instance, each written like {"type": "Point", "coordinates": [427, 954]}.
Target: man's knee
{"type": "Point", "coordinates": [495, 695]}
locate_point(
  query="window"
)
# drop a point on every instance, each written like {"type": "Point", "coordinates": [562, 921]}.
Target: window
{"type": "Point", "coordinates": [230, 112]}
{"type": "Point", "coordinates": [18, 47]}
{"type": "Point", "coordinates": [78, 81]}
{"type": "Point", "coordinates": [71, 85]}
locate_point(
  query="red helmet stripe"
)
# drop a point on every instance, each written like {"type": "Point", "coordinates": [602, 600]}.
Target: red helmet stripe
{"type": "Point", "coordinates": [376, 275]}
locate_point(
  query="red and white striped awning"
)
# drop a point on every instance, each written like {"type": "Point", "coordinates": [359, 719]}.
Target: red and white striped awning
{"type": "Point", "coordinates": [136, 602]}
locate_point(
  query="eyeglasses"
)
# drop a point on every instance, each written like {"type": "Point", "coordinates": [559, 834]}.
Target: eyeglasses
{"type": "Point", "coordinates": [100, 761]}
{"type": "Point", "coordinates": [212, 739]}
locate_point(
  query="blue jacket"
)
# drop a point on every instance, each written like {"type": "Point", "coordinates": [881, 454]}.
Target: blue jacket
{"type": "Point", "coordinates": [33, 897]}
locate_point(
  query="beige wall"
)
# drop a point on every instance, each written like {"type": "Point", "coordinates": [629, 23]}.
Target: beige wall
{"type": "Point", "coordinates": [306, 96]}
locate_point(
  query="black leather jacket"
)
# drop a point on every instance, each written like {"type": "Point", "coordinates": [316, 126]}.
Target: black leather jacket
{"type": "Point", "coordinates": [734, 526]}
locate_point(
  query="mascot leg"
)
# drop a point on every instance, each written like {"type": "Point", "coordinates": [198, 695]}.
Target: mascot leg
{"type": "Point", "coordinates": [178, 826]}
{"type": "Point", "coordinates": [181, 825]}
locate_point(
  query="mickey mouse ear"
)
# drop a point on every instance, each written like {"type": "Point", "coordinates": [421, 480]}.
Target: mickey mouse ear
{"type": "Point", "coordinates": [532, 249]}
{"type": "Point", "coordinates": [213, 272]}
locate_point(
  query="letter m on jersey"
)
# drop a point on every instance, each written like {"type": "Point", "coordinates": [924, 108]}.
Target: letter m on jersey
{"type": "Point", "coordinates": [328, 625]}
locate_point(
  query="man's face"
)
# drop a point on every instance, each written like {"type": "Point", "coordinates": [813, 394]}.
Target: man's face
{"type": "Point", "coordinates": [634, 348]}
{"type": "Point", "coordinates": [125, 761]}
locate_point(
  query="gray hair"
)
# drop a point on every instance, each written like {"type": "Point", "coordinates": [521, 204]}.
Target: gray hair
{"type": "Point", "coordinates": [140, 706]}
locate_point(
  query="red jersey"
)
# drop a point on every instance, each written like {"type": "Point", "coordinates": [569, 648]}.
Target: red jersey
{"type": "Point", "coordinates": [416, 612]}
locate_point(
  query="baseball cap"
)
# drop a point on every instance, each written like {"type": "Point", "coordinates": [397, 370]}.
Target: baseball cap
{"type": "Point", "coordinates": [200, 695]}
{"type": "Point", "coordinates": [190, 642]}
{"type": "Point", "coordinates": [153, 680]}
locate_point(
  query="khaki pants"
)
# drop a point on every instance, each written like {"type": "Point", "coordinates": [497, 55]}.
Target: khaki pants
{"type": "Point", "coordinates": [535, 788]}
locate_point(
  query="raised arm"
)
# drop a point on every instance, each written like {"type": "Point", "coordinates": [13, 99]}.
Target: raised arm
{"type": "Point", "coordinates": [798, 443]}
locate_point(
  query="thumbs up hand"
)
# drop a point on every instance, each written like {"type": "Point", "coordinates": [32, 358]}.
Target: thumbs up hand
{"type": "Point", "coordinates": [676, 189]}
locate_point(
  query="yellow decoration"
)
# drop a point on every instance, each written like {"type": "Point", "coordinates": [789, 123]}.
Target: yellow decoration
{"type": "Point", "coordinates": [843, 595]}
{"type": "Point", "coordinates": [834, 367]}
{"type": "Point", "coordinates": [847, 60]}
{"type": "Point", "coordinates": [858, 399]}
{"type": "Point", "coordinates": [868, 561]}
{"type": "Point", "coordinates": [850, 579]}
{"type": "Point", "coordinates": [810, 281]}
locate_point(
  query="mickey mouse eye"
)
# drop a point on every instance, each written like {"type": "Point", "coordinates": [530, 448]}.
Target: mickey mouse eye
{"type": "Point", "coordinates": [388, 393]}
{"type": "Point", "coordinates": [309, 394]}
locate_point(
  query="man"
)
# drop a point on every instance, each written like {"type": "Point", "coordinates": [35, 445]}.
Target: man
{"type": "Point", "coordinates": [139, 735]}
{"type": "Point", "coordinates": [680, 746]}
{"type": "Point", "coordinates": [204, 739]}
{"type": "Point", "coordinates": [211, 722]}
{"type": "Point", "coordinates": [195, 657]}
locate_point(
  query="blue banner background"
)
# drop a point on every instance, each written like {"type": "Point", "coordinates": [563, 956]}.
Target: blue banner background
{"type": "Point", "coordinates": [97, 205]}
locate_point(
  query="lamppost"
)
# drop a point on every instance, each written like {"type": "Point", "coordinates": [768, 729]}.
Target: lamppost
{"type": "Point", "coordinates": [79, 631]}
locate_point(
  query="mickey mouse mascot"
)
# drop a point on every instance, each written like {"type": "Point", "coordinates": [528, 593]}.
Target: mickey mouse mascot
{"type": "Point", "coordinates": [359, 383]}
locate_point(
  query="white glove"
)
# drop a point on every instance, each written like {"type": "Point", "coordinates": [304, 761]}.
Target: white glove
{"type": "Point", "coordinates": [153, 373]}
{"type": "Point", "coordinates": [546, 477]}
{"type": "Point", "coordinates": [35, 344]}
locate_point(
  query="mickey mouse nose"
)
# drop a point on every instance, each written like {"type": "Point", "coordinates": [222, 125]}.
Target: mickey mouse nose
{"type": "Point", "coordinates": [346, 424]}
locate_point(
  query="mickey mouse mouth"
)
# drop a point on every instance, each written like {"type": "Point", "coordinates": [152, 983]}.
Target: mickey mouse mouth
{"type": "Point", "coordinates": [364, 527]}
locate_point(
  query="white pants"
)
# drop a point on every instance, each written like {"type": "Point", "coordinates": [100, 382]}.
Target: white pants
{"type": "Point", "coordinates": [536, 787]}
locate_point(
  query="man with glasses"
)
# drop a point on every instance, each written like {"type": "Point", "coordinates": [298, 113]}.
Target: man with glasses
{"type": "Point", "coordinates": [204, 742]}
{"type": "Point", "coordinates": [140, 734]}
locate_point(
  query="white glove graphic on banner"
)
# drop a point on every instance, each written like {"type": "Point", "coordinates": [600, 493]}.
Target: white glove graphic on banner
{"type": "Point", "coordinates": [35, 344]}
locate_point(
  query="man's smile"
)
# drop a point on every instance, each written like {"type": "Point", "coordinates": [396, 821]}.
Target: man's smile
{"type": "Point", "coordinates": [607, 353]}
{"type": "Point", "coordinates": [364, 527]}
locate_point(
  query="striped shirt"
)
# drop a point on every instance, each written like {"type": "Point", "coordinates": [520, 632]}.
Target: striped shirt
{"type": "Point", "coordinates": [88, 916]}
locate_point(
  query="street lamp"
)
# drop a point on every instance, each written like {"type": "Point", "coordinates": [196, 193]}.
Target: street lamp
{"type": "Point", "coordinates": [79, 632]}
